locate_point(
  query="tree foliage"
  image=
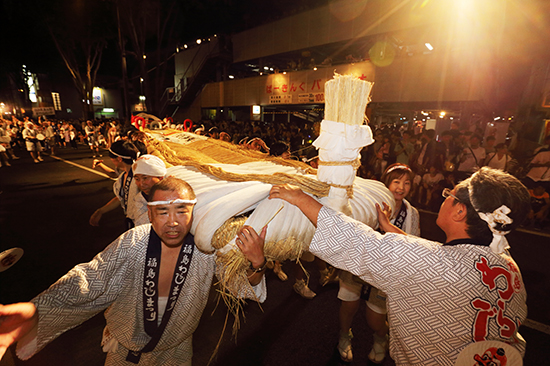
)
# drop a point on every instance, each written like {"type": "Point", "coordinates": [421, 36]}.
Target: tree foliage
{"type": "Point", "coordinates": [80, 31]}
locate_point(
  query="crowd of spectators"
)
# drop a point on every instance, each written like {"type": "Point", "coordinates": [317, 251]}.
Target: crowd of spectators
{"type": "Point", "coordinates": [438, 162]}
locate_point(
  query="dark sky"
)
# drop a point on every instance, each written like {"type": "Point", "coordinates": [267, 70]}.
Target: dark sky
{"type": "Point", "coordinates": [27, 41]}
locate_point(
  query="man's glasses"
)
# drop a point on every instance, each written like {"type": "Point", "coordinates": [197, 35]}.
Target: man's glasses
{"type": "Point", "coordinates": [447, 193]}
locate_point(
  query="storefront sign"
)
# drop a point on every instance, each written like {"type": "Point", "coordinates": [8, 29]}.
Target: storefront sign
{"type": "Point", "coordinates": [43, 111]}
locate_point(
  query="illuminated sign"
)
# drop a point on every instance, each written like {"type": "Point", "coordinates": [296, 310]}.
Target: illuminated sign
{"type": "Point", "coordinates": [97, 96]}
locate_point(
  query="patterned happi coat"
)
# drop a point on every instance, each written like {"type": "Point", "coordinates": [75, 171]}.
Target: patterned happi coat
{"type": "Point", "coordinates": [134, 190]}
{"type": "Point", "coordinates": [440, 297]}
{"type": "Point", "coordinates": [113, 281]}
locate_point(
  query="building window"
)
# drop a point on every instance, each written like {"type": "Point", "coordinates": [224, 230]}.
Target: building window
{"type": "Point", "coordinates": [56, 101]}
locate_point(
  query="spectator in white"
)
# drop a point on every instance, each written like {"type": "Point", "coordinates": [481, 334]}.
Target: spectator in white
{"type": "Point", "coordinates": [539, 172]}
{"type": "Point", "coordinates": [3, 156]}
{"type": "Point", "coordinates": [148, 170]}
{"type": "Point", "coordinates": [472, 158]}
{"type": "Point", "coordinates": [33, 147]}
{"type": "Point", "coordinates": [5, 141]}
{"type": "Point", "coordinates": [441, 298]}
{"type": "Point", "coordinates": [498, 159]}
{"type": "Point", "coordinates": [49, 134]}
{"type": "Point", "coordinates": [490, 144]}
{"type": "Point", "coordinates": [429, 181]}
{"type": "Point", "coordinates": [92, 134]}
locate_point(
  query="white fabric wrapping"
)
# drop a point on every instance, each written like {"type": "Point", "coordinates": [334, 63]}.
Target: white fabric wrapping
{"type": "Point", "coordinates": [339, 142]}
{"type": "Point", "coordinates": [219, 200]}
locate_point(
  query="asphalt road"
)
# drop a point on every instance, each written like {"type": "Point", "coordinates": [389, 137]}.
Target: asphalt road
{"type": "Point", "coordinates": [44, 209]}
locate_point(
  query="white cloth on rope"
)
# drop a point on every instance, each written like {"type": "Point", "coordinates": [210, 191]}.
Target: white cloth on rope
{"type": "Point", "coordinates": [499, 216]}
{"type": "Point", "coordinates": [340, 142]}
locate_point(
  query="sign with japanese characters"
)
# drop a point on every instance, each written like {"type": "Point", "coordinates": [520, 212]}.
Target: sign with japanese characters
{"type": "Point", "coordinates": [294, 87]}
{"type": "Point", "coordinates": [43, 111]}
{"type": "Point", "coordinates": [308, 86]}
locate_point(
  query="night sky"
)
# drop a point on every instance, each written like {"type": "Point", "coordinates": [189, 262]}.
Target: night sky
{"type": "Point", "coordinates": [27, 41]}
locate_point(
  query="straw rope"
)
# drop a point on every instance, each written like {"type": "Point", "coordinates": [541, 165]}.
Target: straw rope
{"type": "Point", "coordinates": [233, 264]}
{"type": "Point", "coordinates": [354, 163]}
{"type": "Point", "coordinates": [188, 157]}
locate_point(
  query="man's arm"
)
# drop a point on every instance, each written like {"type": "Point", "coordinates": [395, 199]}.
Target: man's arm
{"type": "Point", "coordinates": [252, 246]}
{"type": "Point", "coordinates": [107, 169]}
{"type": "Point", "coordinates": [109, 206]}
{"type": "Point", "coordinates": [307, 204]}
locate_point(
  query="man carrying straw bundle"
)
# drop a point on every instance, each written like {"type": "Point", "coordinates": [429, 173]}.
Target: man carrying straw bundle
{"type": "Point", "coordinates": [152, 281]}
{"type": "Point", "coordinates": [445, 302]}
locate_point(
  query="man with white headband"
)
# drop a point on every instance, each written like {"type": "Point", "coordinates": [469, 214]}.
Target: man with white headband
{"type": "Point", "coordinates": [152, 281]}
{"type": "Point", "coordinates": [148, 170]}
{"type": "Point", "coordinates": [443, 300]}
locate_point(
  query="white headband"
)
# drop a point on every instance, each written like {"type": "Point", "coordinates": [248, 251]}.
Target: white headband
{"type": "Point", "coordinates": [499, 216]}
{"type": "Point", "coordinates": [179, 200]}
{"type": "Point", "coordinates": [120, 156]}
{"type": "Point", "coordinates": [399, 166]}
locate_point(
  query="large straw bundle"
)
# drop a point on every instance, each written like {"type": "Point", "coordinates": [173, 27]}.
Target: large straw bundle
{"type": "Point", "coordinates": [232, 185]}
{"type": "Point", "coordinates": [342, 137]}
{"type": "Point", "coordinates": [346, 98]}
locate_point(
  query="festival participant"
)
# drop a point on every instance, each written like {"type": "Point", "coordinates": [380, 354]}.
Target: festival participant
{"type": "Point", "coordinates": [441, 298]}
{"type": "Point", "coordinates": [152, 281]}
{"type": "Point", "coordinates": [50, 136]}
{"type": "Point", "coordinates": [148, 170]}
{"type": "Point", "coordinates": [257, 144]}
{"type": "Point", "coordinates": [224, 136]}
{"type": "Point", "coordinates": [92, 135]}
{"type": "Point", "coordinates": [112, 133]}
{"type": "Point", "coordinates": [122, 154]}
{"type": "Point", "coordinates": [398, 178]}
{"type": "Point", "coordinates": [33, 147]}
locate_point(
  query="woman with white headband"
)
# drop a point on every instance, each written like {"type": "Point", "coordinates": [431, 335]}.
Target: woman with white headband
{"type": "Point", "coordinates": [122, 154]}
{"type": "Point", "coordinates": [448, 301]}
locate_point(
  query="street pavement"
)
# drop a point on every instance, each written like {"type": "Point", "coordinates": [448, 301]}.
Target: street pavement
{"type": "Point", "coordinates": [45, 208]}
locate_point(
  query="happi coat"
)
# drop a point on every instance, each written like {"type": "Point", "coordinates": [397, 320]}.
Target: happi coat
{"type": "Point", "coordinates": [412, 221]}
{"type": "Point", "coordinates": [440, 298]}
{"type": "Point", "coordinates": [113, 282]}
{"type": "Point", "coordinates": [137, 211]}
{"type": "Point", "coordinates": [127, 205]}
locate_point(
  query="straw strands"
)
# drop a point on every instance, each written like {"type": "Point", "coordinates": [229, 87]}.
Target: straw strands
{"type": "Point", "coordinates": [346, 98]}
